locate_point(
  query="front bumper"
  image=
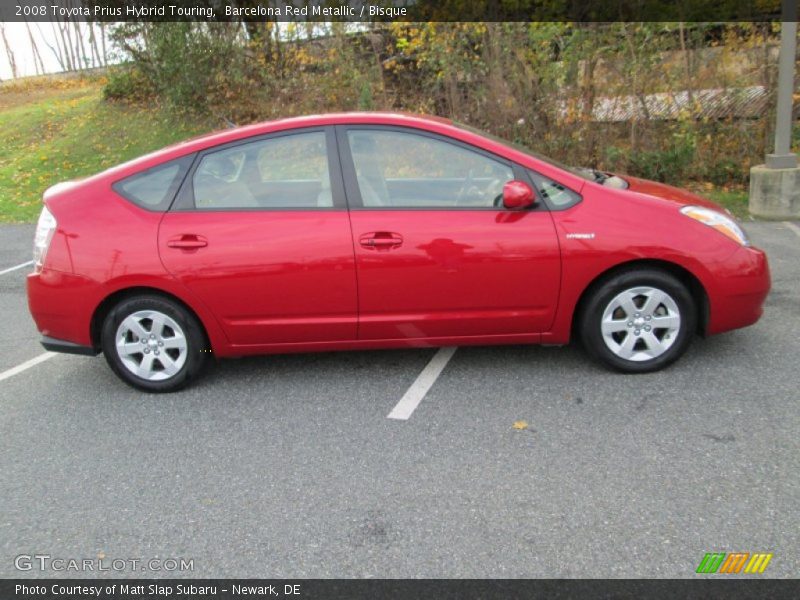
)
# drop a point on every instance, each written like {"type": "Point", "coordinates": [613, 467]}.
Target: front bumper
{"type": "Point", "coordinates": [742, 284]}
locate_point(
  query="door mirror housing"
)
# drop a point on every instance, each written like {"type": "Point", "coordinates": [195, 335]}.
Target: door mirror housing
{"type": "Point", "coordinates": [517, 195]}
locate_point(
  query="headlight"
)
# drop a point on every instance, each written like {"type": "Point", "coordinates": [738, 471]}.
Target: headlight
{"type": "Point", "coordinates": [45, 228]}
{"type": "Point", "coordinates": [716, 220]}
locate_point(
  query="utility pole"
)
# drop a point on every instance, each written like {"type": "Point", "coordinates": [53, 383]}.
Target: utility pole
{"type": "Point", "coordinates": [775, 185]}
{"type": "Point", "coordinates": [783, 158]}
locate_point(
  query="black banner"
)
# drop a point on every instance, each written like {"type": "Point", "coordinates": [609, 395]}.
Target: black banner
{"type": "Point", "coordinates": [388, 589]}
{"type": "Point", "coordinates": [392, 10]}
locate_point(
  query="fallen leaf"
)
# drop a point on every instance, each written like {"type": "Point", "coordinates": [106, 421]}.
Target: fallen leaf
{"type": "Point", "coordinates": [520, 425]}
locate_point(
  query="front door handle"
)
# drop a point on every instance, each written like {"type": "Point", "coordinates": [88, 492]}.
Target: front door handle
{"type": "Point", "coordinates": [187, 241]}
{"type": "Point", "coordinates": [381, 240]}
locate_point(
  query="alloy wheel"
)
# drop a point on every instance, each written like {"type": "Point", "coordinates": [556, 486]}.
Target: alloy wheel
{"type": "Point", "coordinates": [151, 345]}
{"type": "Point", "coordinates": [640, 323]}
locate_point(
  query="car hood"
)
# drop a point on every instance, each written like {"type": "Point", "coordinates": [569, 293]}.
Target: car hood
{"type": "Point", "coordinates": [668, 192]}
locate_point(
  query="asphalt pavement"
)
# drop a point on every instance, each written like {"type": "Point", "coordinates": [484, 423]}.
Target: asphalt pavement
{"type": "Point", "coordinates": [287, 466]}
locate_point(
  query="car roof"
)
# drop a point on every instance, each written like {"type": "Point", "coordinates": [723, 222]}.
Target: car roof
{"type": "Point", "coordinates": [232, 134]}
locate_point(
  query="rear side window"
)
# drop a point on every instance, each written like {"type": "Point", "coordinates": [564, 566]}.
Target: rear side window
{"type": "Point", "coordinates": [154, 188]}
{"type": "Point", "coordinates": [282, 172]}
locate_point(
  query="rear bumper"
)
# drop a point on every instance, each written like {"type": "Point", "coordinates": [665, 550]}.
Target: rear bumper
{"type": "Point", "coordinates": [742, 286]}
{"type": "Point", "coordinates": [61, 305]}
{"type": "Point", "coordinates": [54, 345]}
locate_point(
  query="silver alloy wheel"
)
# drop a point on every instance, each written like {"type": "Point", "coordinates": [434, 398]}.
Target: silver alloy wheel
{"type": "Point", "coordinates": [640, 323]}
{"type": "Point", "coordinates": [151, 345]}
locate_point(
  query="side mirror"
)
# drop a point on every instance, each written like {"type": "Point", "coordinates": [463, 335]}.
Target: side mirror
{"type": "Point", "coordinates": [518, 194]}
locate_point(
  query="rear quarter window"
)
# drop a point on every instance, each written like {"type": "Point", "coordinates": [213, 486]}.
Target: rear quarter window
{"type": "Point", "coordinates": [154, 188]}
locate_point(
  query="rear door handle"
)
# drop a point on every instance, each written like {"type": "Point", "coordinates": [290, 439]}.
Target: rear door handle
{"type": "Point", "coordinates": [381, 240]}
{"type": "Point", "coordinates": [188, 241]}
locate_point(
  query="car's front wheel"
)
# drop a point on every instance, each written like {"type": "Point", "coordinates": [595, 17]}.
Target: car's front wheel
{"type": "Point", "coordinates": [639, 321]}
{"type": "Point", "coordinates": [153, 343]}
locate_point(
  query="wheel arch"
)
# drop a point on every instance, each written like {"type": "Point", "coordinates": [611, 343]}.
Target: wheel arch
{"type": "Point", "coordinates": [110, 301]}
{"type": "Point", "coordinates": [689, 279]}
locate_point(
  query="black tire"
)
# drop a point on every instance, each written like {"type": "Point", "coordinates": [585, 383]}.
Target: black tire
{"type": "Point", "coordinates": [197, 349]}
{"type": "Point", "coordinates": [600, 299]}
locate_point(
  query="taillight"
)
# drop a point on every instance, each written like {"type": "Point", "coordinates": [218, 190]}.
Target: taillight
{"type": "Point", "coordinates": [45, 228]}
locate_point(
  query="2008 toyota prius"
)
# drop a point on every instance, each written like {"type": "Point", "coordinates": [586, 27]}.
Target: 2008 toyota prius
{"type": "Point", "coordinates": [377, 230]}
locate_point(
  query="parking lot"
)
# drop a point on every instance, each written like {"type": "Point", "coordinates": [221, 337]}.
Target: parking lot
{"type": "Point", "coordinates": [288, 466]}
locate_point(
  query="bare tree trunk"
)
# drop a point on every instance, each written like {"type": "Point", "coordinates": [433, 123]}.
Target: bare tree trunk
{"type": "Point", "coordinates": [103, 43]}
{"type": "Point", "coordinates": [588, 93]}
{"type": "Point", "coordinates": [63, 47]}
{"type": "Point", "coordinates": [10, 53]}
{"type": "Point", "coordinates": [38, 63]}
{"type": "Point", "coordinates": [376, 41]}
{"type": "Point", "coordinates": [54, 49]}
{"type": "Point", "coordinates": [638, 93]}
{"type": "Point", "coordinates": [277, 47]}
{"type": "Point", "coordinates": [76, 46]}
{"type": "Point", "coordinates": [587, 97]}
{"type": "Point", "coordinates": [93, 46]}
{"type": "Point", "coordinates": [66, 39]}
{"type": "Point", "coordinates": [80, 48]}
{"type": "Point", "coordinates": [687, 64]}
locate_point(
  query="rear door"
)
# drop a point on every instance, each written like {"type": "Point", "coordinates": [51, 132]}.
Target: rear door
{"type": "Point", "coordinates": [437, 255]}
{"type": "Point", "coordinates": [260, 233]}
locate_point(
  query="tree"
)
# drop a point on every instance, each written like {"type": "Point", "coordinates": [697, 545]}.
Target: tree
{"type": "Point", "coordinates": [12, 62]}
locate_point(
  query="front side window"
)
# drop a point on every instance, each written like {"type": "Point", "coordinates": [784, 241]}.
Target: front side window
{"type": "Point", "coordinates": [289, 171]}
{"type": "Point", "coordinates": [154, 188]}
{"type": "Point", "coordinates": [555, 194]}
{"type": "Point", "coordinates": [396, 169]}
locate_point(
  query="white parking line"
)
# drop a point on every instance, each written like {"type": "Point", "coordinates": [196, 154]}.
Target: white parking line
{"type": "Point", "coordinates": [793, 227]}
{"type": "Point", "coordinates": [26, 365]}
{"type": "Point", "coordinates": [409, 402]}
{"type": "Point", "coordinates": [22, 266]}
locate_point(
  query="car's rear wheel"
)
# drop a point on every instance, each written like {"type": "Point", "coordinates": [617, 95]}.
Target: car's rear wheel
{"type": "Point", "coordinates": [153, 343]}
{"type": "Point", "coordinates": [639, 321]}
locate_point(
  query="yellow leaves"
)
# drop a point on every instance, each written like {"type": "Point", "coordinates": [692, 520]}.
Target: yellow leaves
{"type": "Point", "coordinates": [520, 425]}
{"type": "Point", "coordinates": [303, 57]}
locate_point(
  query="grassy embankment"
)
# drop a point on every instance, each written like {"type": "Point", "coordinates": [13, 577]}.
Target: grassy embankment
{"type": "Point", "coordinates": [56, 129]}
{"type": "Point", "coordinates": [52, 130]}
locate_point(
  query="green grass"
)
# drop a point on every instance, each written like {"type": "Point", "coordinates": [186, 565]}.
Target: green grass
{"type": "Point", "coordinates": [734, 200]}
{"type": "Point", "coordinates": [53, 135]}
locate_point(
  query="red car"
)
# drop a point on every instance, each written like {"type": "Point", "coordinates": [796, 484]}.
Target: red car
{"type": "Point", "coordinates": [355, 231]}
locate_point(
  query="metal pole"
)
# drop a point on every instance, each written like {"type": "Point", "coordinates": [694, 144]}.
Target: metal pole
{"type": "Point", "coordinates": [783, 158]}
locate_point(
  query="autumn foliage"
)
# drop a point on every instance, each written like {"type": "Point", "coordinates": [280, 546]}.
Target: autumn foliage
{"type": "Point", "coordinates": [535, 83]}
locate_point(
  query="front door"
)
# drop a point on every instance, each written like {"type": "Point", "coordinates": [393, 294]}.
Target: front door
{"type": "Point", "coordinates": [436, 253]}
{"type": "Point", "coordinates": [260, 234]}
